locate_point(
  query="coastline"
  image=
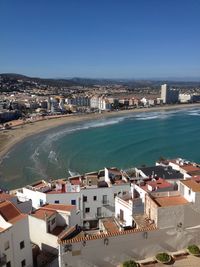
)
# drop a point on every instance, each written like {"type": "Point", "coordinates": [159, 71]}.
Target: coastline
{"type": "Point", "coordinates": [9, 138]}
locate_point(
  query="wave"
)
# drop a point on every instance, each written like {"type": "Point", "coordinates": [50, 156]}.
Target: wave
{"type": "Point", "coordinates": [53, 137]}
{"type": "Point", "coordinates": [147, 118]}
{"type": "Point", "coordinates": [194, 113]}
{"type": "Point", "coordinates": [52, 157]}
{"type": "Point", "coordinates": [6, 156]}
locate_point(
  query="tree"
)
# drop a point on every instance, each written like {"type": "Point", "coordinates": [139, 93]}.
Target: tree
{"type": "Point", "coordinates": [130, 263]}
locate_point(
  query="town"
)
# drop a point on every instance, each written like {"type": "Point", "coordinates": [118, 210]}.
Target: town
{"type": "Point", "coordinates": [103, 218]}
{"type": "Point", "coordinates": [29, 99]}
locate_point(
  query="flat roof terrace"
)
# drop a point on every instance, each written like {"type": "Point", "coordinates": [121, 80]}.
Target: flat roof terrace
{"type": "Point", "coordinates": [193, 185]}
{"type": "Point", "coordinates": [162, 172]}
{"type": "Point", "coordinates": [170, 201]}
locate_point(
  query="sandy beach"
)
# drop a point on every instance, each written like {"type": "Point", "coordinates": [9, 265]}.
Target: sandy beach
{"type": "Point", "coordinates": [9, 138]}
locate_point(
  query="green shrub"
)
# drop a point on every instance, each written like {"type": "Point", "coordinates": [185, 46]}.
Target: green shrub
{"type": "Point", "coordinates": [163, 257]}
{"type": "Point", "coordinates": [193, 249]}
{"type": "Point", "coordinates": [130, 263]}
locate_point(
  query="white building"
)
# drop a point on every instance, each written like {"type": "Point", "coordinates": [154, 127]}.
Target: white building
{"type": "Point", "coordinates": [94, 102]}
{"type": "Point", "coordinates": [185, 98]}
{"type": "Point", "coordinates": [93, 194]}
{"type": "Point", "coordinates": [168, 95]}
{"type": "Point", "coordinates": [15, 246]}
{"type": "Point", "coordinates": [50, 222]}
{"type": "Point", "coordinates": [104, 104]}
{"type": "Point", "coordinates": [190, 190]}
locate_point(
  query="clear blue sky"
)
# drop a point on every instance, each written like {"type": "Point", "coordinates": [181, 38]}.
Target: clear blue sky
{"type": "Point", "coordinates": [100, 38]}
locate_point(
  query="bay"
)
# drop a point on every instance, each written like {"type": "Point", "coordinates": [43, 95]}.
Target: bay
{"type": "Point", "coordinates": [124, 142]}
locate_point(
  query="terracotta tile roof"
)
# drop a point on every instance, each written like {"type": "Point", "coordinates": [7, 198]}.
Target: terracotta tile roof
{"type": "Point", "coordinates": [196, 178]}
{"type": "Point", "coordinates": [170, 201]}
{"type": "Point", "coordinates": [105, 235]}
{"type": "Point", "coordinates": [5, 196]}
{"type": "Point", "coordinates": [190, 168]}
{"type": "Point", "coordinates": [10, 213]}
{"type": "Point", "coordinates": [60, 207]}
{"type": "Point", "coordinates": [158, 184]}
{"type": "Point", "coordinates": [193, 185]}
{"type": "Point", "coordinates": [110, 225]}
{"type": "Point", "coordinates": [43, 213]}
{"type": "Point", "coordinates": [53, 191]}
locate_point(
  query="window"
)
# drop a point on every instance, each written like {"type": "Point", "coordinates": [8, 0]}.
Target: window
{"type": "Point", "coordinates": [22, 245]}
{"type": "Point", "coordinates": [189, 191]}
{"type": "Point", "coordinates": [8, 264]}
{"type": "Point", "coordinates": [94, 198]}
{"type": "Point", "coordinates": [6, 245]}
{"type": "Point", "coordinates": [87, 210]}
{"type": "Point", "coordinates": [73, 202]}
{"type": "Point", "coordinates": [57, 201]}
{"type": "Point", "coordinates": [23, 263]}
{"type": "Point", "coordinates": [84, 199]}
{"type": "Point", "coordinates": [115, 194]}
{"type": "Point", "coordinates": [53, 221]}
{"type": "Point", "coordinates": [41, 202]}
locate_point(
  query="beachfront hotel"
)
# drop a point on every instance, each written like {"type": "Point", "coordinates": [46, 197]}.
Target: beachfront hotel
{"type": "Point", "coordinates": [105, 217]}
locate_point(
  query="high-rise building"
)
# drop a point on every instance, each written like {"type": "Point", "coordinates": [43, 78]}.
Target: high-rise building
{"type": "Point", "coordinates": [164, 90]}
{"type": "Point", "coordinates": [169, 95]}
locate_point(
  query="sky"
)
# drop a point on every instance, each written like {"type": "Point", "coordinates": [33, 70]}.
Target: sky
{"type": "Point", "coordinates": [134, 39]}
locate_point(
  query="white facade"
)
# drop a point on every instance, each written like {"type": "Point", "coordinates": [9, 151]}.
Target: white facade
{"type": "Point", "coordinates": [41, 228]}
{"type": "Point", "coordinates": [91, 201]}
{"type": "Point", "coordinates": [104, 104]}
{"type": "Point", "coordinates": [118, 248]}
{"type": "Point", "coordinates": [164, 89]}
{"type": "Point", "coordinates": [177, 166]}
{"type": "Point", "coordinates": [185, 98]}
{"type": "Point", "coordinates": [124, 211]}
{"type": "Point", "coordinates": [94, 102]}
{"type": "Point", "coordinates": [15, 241]}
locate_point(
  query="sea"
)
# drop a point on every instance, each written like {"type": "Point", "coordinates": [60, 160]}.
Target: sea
{"type": "Point", "coordinates": [125, 141]}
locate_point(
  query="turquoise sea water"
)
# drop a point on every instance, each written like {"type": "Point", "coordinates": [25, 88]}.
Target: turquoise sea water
{"type": "Point", "coordinates": [124, 142]}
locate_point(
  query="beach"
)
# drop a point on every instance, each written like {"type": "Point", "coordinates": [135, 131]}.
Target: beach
{"type": "Point", "coordinates": [9, 138]}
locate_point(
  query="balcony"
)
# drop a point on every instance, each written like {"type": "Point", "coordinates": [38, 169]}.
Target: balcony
{"type": "Point", "coordinates": [100, 215]}
{"type": "Point", "coordinates": [3, 260]}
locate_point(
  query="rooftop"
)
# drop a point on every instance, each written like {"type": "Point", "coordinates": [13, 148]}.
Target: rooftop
{"type": "Point", "coordinates": [156, 184]}
{"type": "Point", "coordinates": [193, 185]}
{"type": "Point", "coordinates": [5, 196]}
{"type": "Point", "coordinates": [10, 213]}
{"type": "Point", "coordinates": [167, 201]}
{"type": "Point", "coordinates": [165, 172]}
{"type": "Point", "coordinates": [43, 213]}
{"type": "Point", "coordinates": [110, 225]}
{"type": "Point", "coordinates": [59, 207]}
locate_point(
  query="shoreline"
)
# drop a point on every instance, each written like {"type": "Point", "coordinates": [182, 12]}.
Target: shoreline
{"type": "Point", "coordinates": [9, 138]}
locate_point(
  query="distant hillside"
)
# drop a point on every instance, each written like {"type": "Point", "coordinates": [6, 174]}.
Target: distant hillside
{"type": "Point", "coordinates": [50, 82]}
{"type": "Point", "coordinates": [131, 83]}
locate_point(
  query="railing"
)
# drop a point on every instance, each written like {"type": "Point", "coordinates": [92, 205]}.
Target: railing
{"type": "Point", "coordinates": [3, 260]}
{"type": "Point", "coordinates": [100, 215]}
